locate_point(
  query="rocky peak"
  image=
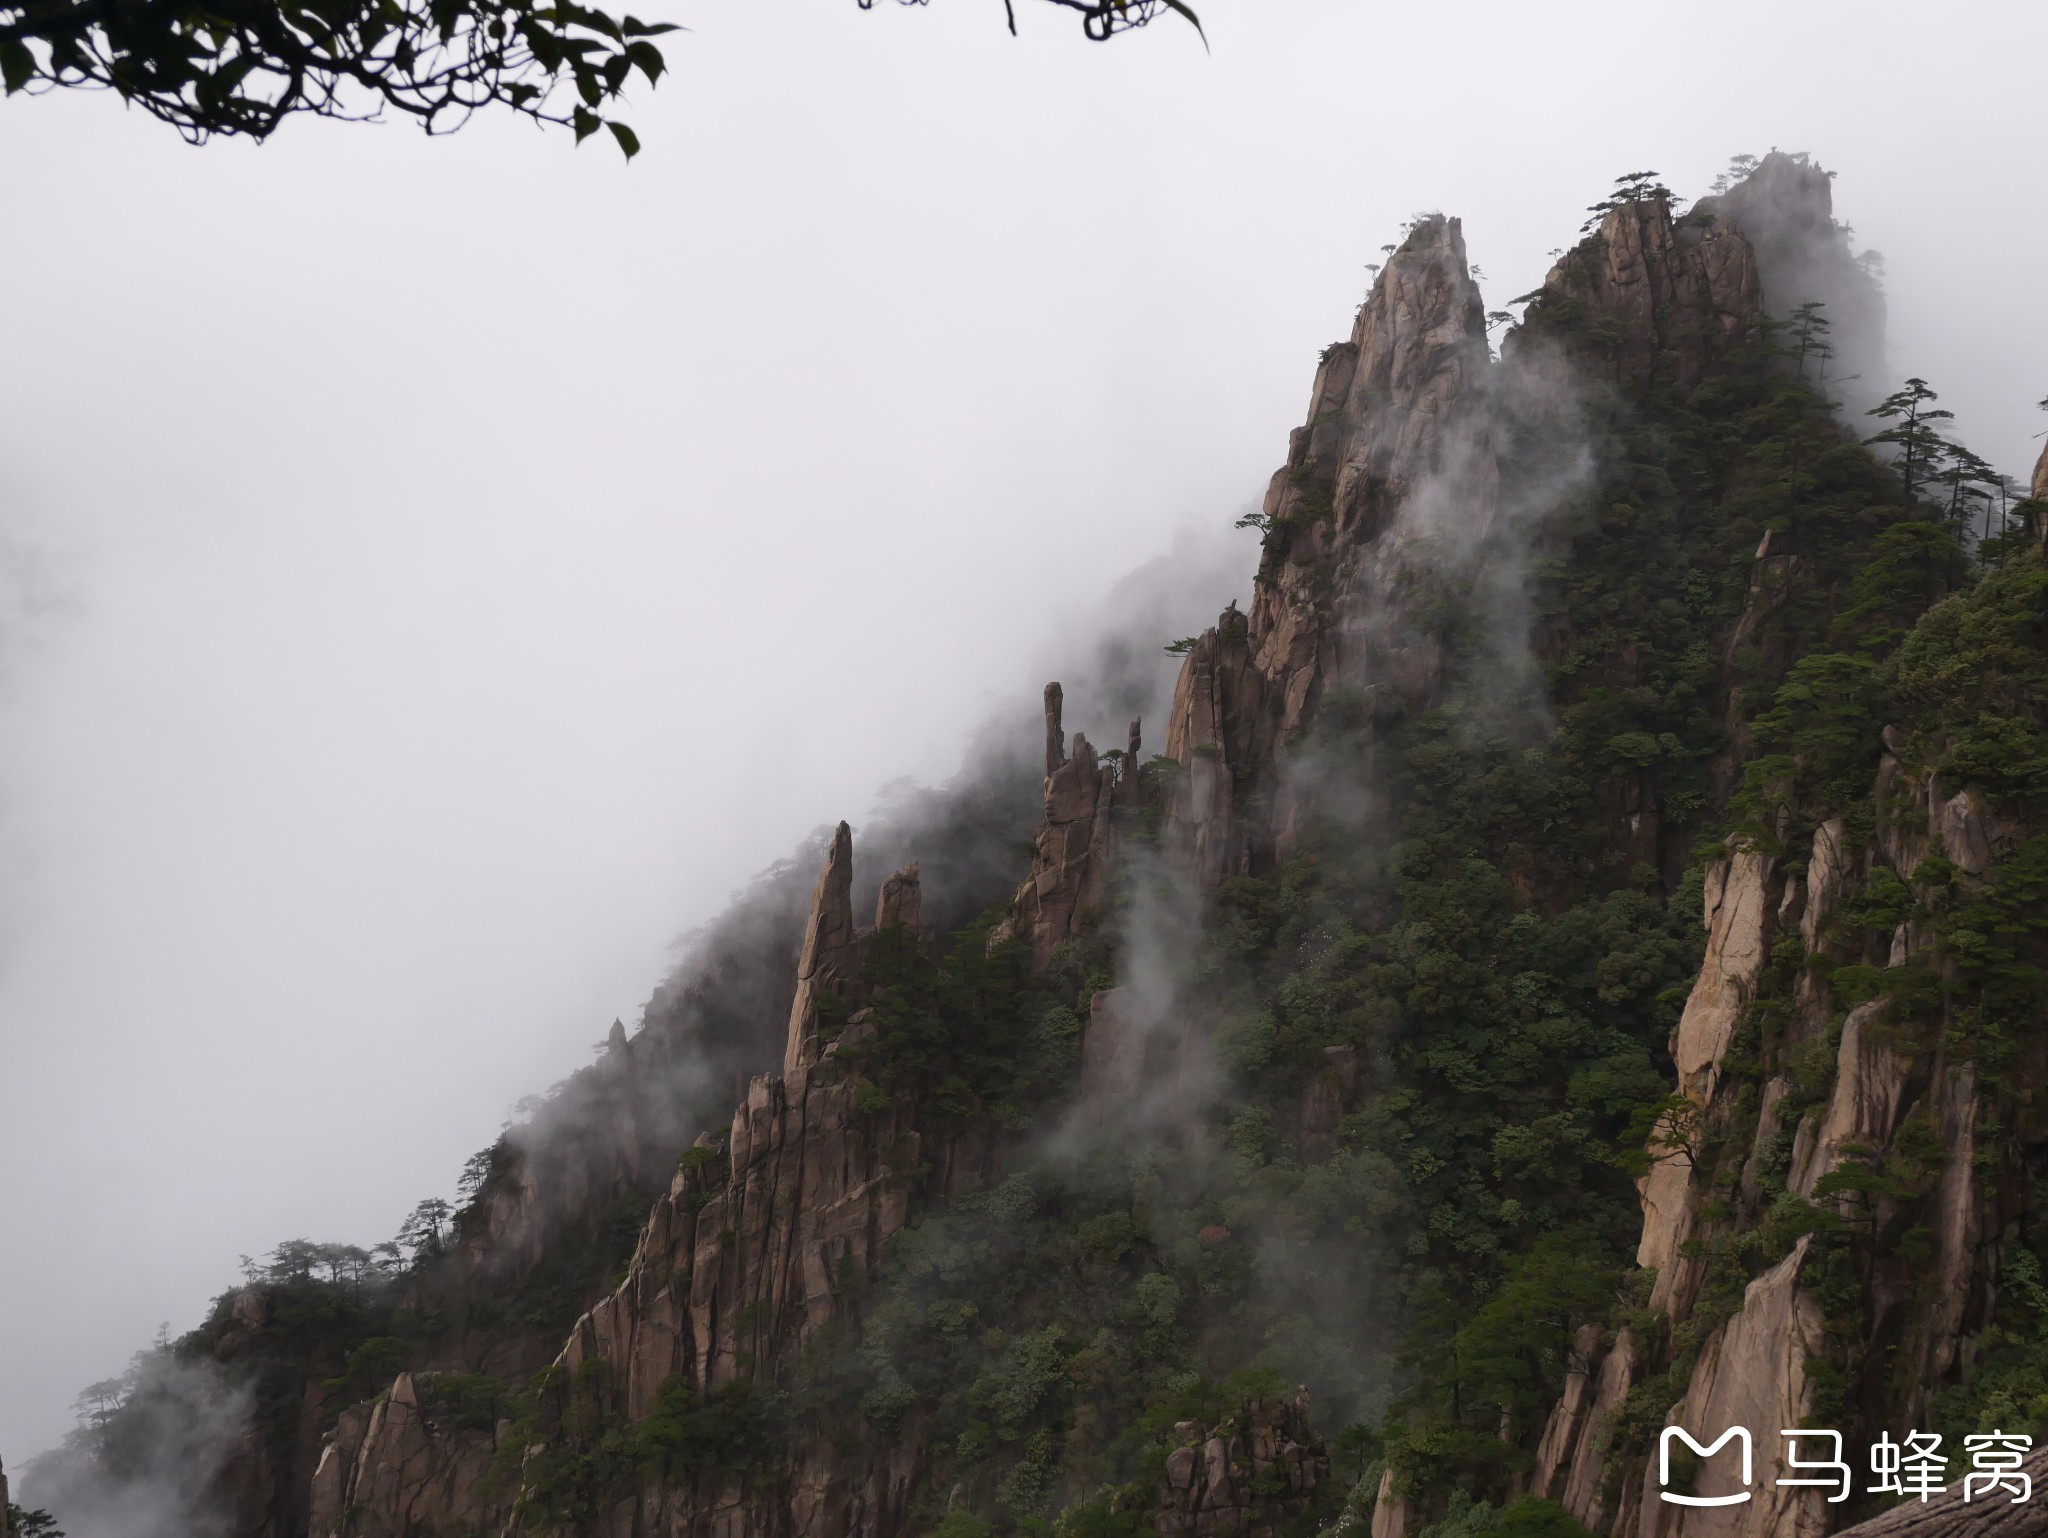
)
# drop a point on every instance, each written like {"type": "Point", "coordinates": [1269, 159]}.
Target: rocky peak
{"type": "Point", "coordinates": [897, 904]}
{"type": "Point", "coordinates": [830, 950]}
{"type": "Point", "coordinates": [1392, 409]}
{"type": "Point", "coordinates": [1077, 840]}
{"type": "Point", "coordinates": [1647, 300]}
{"type": "Point", "coordinates": [1785, 209]}
{"type": "Point", "coordinates": [1395, 464]}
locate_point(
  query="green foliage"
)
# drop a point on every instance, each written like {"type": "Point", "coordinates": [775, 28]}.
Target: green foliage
{"type": "Point", "coordinates": [1921, 448]}
{"type": "Point", "coordinates": [371, 1367]}
{"type": "Point", "coordinates": [32, 1524]}
{"type": "Point", "coordinates": [735, 1428]}
{"type": "Point", "coordinates": [2007, 1389]}
{"type": "Point", "coordinates": [570, 1445]}
{"type": "Point", "coordinates": [1525, 1518]}
{"type": "Point", "coordinates": [571, 1448]}
{"type": "Point", "coordinates": [964, 1031]}
{"type": "Point", "coordinates": [1971, 678]}
{"type": "Point", "coordinates": [1821, 733]}
{"type": "Point", "coordinates": [1517, 1347]}
{"type": "Point", "coordinates": [455, 1401]}
{"type": "Point", "coordinates": [243, 70]}
{"type": "Point", "coordinates": [1634, 187]}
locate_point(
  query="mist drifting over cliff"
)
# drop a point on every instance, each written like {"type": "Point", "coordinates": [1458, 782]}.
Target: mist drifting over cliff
{"type": "Point", "coordinates": [402, 716]}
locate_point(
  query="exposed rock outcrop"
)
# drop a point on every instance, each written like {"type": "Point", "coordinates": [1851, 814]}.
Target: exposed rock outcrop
{"type": "Point", "coordinates": [1396, 453]}
{"type": "Point", "coordinates": [830, 957]}
{"type": "Point", "coordinates": [1668, 297]}
{"type": "Point", "coordinates": [900, 901]}
{"type": "Point", "coordinates": [1737, 901]}
{"type": "Point", "coordinates": [1395, 427]}
{"type": "Point", "coordinates": [1071, 857]}
{"type": "Point", "coordinates": [1392, 490]}
{"type": "Point", "coordinates": [389, 1471]}
{"type": "Point", "coordinates": [1247, 1477]}
{"type": "Point", "coordinates": [1329, 1095]}
{"type": "Point", "coordinates": [1892, 1145]}
{"type": "Point", "coordinates": [1218, 729]}
{"type": "Point", "coordinates": [1785, 208]}
{"type": "Point", "coordinates": [1863, 1110]}
{"type": "Point", "coordinates": [1753, 1373]}
{"type": "Point", "coordinates": [752, 1250]}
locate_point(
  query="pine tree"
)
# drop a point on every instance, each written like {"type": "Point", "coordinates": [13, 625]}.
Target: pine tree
{"type": "Point", "coordinates": [1970, 481]}
{"type": "Point", "coordinates": [1921, 448]}
{"type": "Point", "coordinates": [1810, 331]}
{"type": "Point", "coordinates": [1635, 187]}
{"type": "Point", "coordinates": [1740, 168]}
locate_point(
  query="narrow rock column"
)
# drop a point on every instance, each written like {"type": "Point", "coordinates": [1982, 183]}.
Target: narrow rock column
{"type": "Point", "coordinates": [1055, 739]}
{"type": "Point", "coordinates": [828, 954]}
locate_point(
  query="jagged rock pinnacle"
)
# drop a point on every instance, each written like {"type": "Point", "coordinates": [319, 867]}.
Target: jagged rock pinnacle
{"type": "Point", "coordinates": [829, 948]}
{"type": "Point", "coordinates": [1055, 739]}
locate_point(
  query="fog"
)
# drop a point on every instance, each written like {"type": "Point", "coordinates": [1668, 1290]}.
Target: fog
{"type": "Point", "coordinates": [435, 574]}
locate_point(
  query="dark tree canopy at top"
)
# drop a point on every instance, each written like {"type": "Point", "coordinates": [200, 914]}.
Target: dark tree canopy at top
{"type": "Point", "coordinates": [241, 67]}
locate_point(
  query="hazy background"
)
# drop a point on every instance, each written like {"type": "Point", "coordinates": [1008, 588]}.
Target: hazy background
{"type": "Point", "coordinates": [433, 574]}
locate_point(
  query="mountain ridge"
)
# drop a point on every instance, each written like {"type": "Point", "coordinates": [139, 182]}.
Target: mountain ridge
{"type": "Point", "coordinates": [1374, 968]}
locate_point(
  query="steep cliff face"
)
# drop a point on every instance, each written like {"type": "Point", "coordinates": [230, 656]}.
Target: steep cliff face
{"type": "Point", "coordinates": [1845, 1178]}
{"type": "Point", "coordinates": [1660, 299]}
{"type": "Point", "coordinates": [1423, 477]}
{"type": "Point", "coordinates": [1397, 451]}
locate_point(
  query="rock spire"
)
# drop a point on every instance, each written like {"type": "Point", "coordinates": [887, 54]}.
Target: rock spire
{"type": "Point", "coordinates": [1055, 738]}
{"type": "Point", "coordinates": [829, 955]}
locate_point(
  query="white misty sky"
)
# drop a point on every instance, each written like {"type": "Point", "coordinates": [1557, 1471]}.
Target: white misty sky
{"type": "Point", "coordinates": [438, 572]}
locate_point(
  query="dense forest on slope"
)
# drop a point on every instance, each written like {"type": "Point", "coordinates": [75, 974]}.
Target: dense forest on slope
{"type": "Point", "coordinates": [1350, 1121]}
